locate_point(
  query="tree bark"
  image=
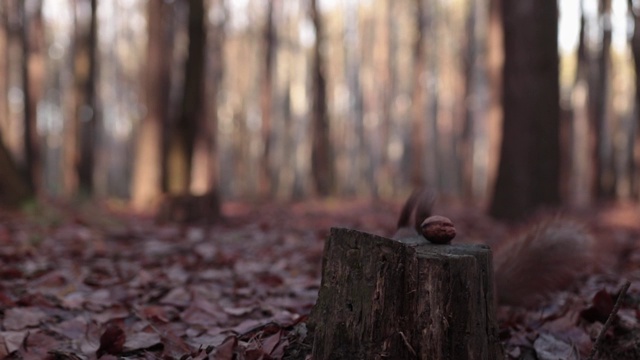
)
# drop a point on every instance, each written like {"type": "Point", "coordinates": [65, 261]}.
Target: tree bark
{"type": "Point", "coordinates": [418, 139]}
{"type": "Point", "coordinates": [4, 61]}
{"type": "Point", "coordinates": [322, 161]}
{"type": "Point", "coordinates": [269, 43]}
{"type": "Point", "coordinates": [14, 190]}
{"type": "Point", "coordinates": [605, 181]}
{"type": "Point", "coordinates": [147, 171]}
{"type": "Point", "coordinates": [183, 134]}
{"type": "Point", "coordinates": [32, 78]}
{"type": "Point", "coordinates": [192, 131]}
{"type": "Point", "coordinates": [528, 174]}
{"type": "Point", "coordinates": [382, 298]}
{"type": "Point", "coordinates": [634, 163]}
{"type": "Point", "coordinates": [495, 61]}
{"type": "Point", "coordinates": [580, 152]}
{"type": "Point", "coordinates": [86, 109]}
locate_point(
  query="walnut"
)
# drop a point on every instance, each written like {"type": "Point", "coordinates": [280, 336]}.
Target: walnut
{"type": "Point", "coordinates": [438, 229]}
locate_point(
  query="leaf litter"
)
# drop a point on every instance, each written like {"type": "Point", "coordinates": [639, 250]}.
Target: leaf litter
{"type": "Point", "coordinates": [77, 284]}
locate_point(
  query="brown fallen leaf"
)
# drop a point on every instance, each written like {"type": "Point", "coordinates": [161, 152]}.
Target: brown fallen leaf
{"type": "Point", "coordinates": [111, 341]}
{"type": "Point", "coordinates": [22, 317]}
{"type": "Point", "coordinates": [225, 350]}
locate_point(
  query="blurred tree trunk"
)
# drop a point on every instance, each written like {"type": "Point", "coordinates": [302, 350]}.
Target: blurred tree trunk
{"type": "Point", "coordinates": [355, 141]}
{"type": "Point", "coordinates": [387, 90]}
{"type": "Point", "coordinates": [269, 45]}
{"type": "Point", "coordinates": [634, 163]}
{"type": "Point", "coordinates": [4, 62]}
{"type": "Point", "coordinates": [605, 181]}
{"type": "Point", "coordinates": [418, 123]}
{"type": "Point", "coordinates": [33, 68]}
{"type": "Point", "coordinates": [579, 185]}
{"type": "Point", "coordinates": [469, 55]}
{"type": "Point", "coordinates": [528, 175]}
{"type": "Point", "coordinates": [14, 190]}
{"type": "Point", "coordinates": [205, 171]}
{"type": "Point", "coordinates": [147, 168]}
{"type": "Point", "coordinates": [86, 112]}
{"type": "Point", "coordinates": [183, 134]}
{"type": "Point", "coordinates": [216, 45]}
{"type": "Point", "coordinates": [192, 139]}
{"type": "Point", "coordinates": [495, 61]}
{"type": "Point", "coordinates": [322, 161]}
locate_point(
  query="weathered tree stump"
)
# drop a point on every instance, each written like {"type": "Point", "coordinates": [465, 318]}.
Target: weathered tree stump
{"type": "Point", "coordinates": [388, 299]}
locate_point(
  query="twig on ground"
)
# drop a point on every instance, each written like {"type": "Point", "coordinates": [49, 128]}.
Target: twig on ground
{"type": "Point", "coordinates": [607, 324]}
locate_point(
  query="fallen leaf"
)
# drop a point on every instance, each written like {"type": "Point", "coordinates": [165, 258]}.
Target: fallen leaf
{"type": "Point", "coordinates": [111, 341]}
{"type": "Point", "coordinates": [226, 349]}
{"type": "Point", "coordinates": [549, 348]}
{"type": "Point", "coordinates": [13, 339]}
{"type": "Point", "coordinates": [21, 318]}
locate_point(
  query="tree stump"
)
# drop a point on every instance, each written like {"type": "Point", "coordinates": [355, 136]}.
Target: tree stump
{"type": "Point", "coordinates": [410, 299]}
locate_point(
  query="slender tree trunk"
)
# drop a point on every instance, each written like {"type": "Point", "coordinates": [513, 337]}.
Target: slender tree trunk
{"type": "Point", "coordinates": [183, 136]}
{"type": "Point", "coordinates": [495, 61]}
{"type": "Point", "coordinates": [216, 44]}
{"type": "Point", "coordinates": [634, 163]}
{"type": "Point", "coordinates": [4, 61]}
{"type": "Point", "coordinates": [70, 147]}
{"type": "Point", "coordinates": [605, 181]}
{"type": "Point", "coordinates": [269, 43]}
{"type": "Point", "coordinates": [528, 175]}
{"type": "Point", "coordinates": [387, 90]}
{"type": "Point", "coordinates": [580, 178]}
{"type": "Point", "coordinates": [86, 107]}
{"type": "Point", "coordinates": [322, 162]}
{"type": "Point", "coordinates": [206, 174]}
{"type": "Point", "coordinates": [32, 77]}
{"type": "Point", "coordinates": [147, 171]}
{"type": "Point", "coordinates": [13, 189]}
{"type": "Point", "coordinates": [418, 123]}
{"type": "Point", "coordinates": [355, 143]}
{"type": "Point", "coordinates": [468, 131]}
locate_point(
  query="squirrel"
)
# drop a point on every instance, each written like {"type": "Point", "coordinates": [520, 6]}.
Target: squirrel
{"type": "Point", "coordinates": [544, 258]}
{"type": "Point", "coordinates": [416, 209]}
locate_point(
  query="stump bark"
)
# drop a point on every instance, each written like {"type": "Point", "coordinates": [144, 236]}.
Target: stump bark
{"type": "Point", "coordinates": [389, 299]}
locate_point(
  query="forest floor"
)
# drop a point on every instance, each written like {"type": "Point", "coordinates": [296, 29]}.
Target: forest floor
{"type": "Point", "coordinates": [86, 282]}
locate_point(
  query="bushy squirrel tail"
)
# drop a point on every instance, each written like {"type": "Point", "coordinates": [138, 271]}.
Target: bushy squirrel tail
{"type": "Point", "coordinates": [415, 210]}
{"type": "Point", "coordinates": [545, 258]}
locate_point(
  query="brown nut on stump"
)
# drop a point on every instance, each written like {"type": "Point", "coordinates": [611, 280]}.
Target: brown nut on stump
{"type": "Point", "coordinates": [438, 229]}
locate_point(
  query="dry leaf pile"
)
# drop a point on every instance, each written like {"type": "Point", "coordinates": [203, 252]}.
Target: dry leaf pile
{"type": "Point", "coordinates": [87, 284]}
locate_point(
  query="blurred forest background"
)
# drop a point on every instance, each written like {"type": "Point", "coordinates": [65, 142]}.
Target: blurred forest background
{"type": "Point", "coordinates": [288, 99]}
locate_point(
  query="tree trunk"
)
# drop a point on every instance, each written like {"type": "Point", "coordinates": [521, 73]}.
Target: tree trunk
{"type": "Point", "coordinates": [383, 298]}
{"type": "Point", "coordinates": [183, 135]}
{"type": "Point", "coordinates": [322, 162]}
{"type": "Point", "coordinates": [528, 175]}
{"type": "Point", "coordinates": [32, 77]}
{"type": "Point", "coordinates": [580, 178]}
{"type": "Point", "coordinates": [387, 91]}
{"type": "Point", "coordinates": [86, 109]}
{"type": "Point", "coordinates": [4, 62]}
{"type": "Point", "coordinates": [355, 144]}
{"type": "Point", "coordinates": [634, 163]}
{"type": "Point", "coordinates": [495, 61]}
{"type": "Point", "coordinates": [266, 101]}
{"type": "Point", "coordinates": [192, 132]}
{"type": "Point", "coordinates": [605, 181]}
{"type": "Point", "coordinates": [147, 171]}
{"type": "Point", "coordinates": [418, 135]}
{"type": "Point", "coordinates": [14, 190]}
